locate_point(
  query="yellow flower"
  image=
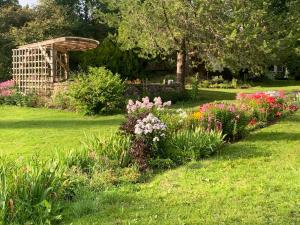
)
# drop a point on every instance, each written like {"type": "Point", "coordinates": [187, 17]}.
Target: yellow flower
{"type": "Point", "coordinates": [197, 115]}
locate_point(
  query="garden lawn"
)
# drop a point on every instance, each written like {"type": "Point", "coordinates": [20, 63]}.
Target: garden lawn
{"type": "Point", "coordinates": [25, 131]}
{"type": "Point", "coordinates": [254, 181]}
{"type": "Point", "coordinates": [43, 131]}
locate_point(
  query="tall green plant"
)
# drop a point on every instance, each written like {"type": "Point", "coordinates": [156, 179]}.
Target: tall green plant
{"type": "Point", "coordinates": [188, 145]}
{"type": "Point", "coordinates": [32, 193]}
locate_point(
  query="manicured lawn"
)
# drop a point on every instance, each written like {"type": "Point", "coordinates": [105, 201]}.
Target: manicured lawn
{"type": "Point", "coordinates": [254, 181]}
{"type": "Point", "coordinates": [43, 131]}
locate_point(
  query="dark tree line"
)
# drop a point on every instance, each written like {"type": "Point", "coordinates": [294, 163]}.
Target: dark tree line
{"type": "Point", "coordinates": [237, 35]}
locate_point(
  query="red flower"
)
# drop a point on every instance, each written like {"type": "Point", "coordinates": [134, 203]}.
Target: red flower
{"type": "Point", "coordinates": [270, 100]}
{"type": "Point", "coordinates": [253, 122]}
{"type": "Point", "coordinates": [293, 108]}
{"type": "Point", "coordinates": [278, 114]}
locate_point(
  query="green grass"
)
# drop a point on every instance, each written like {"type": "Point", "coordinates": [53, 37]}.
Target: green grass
{"type": "Point", "coordinates": [43, 131]}
{"type": "Point", "coordinates": [254, 181]}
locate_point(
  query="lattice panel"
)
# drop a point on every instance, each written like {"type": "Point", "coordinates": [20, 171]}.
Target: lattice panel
{"type": "Point", "coordinates": [32, 70]}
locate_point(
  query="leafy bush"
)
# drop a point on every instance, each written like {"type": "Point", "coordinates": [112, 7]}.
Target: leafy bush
{"type": "Point", "coordinates": [99, 91]}
{"type": "Point", "coordinates": [10, 95]}
{"type": "Point", "coordinates": [61, 100]}
{"type": "Point", "coordinates": [219, 82]}
{"type": "Point", "coordinates": [32, 194]}
{"type": "Point", "coordinates": [189, 145]}
{"type": "Point", "coordinates": [19, 99]}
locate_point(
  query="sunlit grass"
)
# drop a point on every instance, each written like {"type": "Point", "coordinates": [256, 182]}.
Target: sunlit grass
{"type": "Point", "coordinates": [43, 131]}
{"type": "Point", "coordinates": [255, 181]}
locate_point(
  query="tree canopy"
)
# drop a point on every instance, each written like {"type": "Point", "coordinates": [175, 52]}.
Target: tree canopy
{"type": "Point", "coordinates": [238, 34]}
{"type": "Point", "coordinates": [235, 34]}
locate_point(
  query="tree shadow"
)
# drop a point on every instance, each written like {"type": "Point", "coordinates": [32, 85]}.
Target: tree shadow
{"type": "Point", "coordinates": [279, 83]}
{"type": "Point", "coordinates": [271, 136]}
{"type": "Point", "coordinates": [57, 124]}
{"type": "Point", "coordinates": [206, 96]}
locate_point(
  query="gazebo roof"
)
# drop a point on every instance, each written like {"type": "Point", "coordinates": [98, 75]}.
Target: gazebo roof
{"type": "Point", "coordinates": [65, 44]}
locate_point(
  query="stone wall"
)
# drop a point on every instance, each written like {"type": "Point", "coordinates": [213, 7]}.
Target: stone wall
{"type": "Point", "coordinates": [152, 90]}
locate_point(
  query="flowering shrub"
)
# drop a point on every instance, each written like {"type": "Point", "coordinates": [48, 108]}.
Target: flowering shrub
{"type": "Point", "coordinates": [148, 133]}
{"type": "Point", "coordinates": [146, 105]}
{"type": "Point", "coordinates": [145, 127]}
{"type": "Point", "coordinates": [150, 127]}
{"type": "Point", "coordinates": [228, 118]}
{"type": "Point", "coordinates": [6, 88]}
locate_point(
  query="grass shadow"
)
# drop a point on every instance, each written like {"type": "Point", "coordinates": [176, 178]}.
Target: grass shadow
{"type": "Point", "coordinates": [206, 96]}
{"type": "Point", "coordinates": [57, 124]}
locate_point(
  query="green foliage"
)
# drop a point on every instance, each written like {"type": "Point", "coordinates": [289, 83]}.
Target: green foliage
{"type": "Point", "coordinates": [219, 82]}
{"type": "Point", "coordinates": [98, 91]}
{"type": "Point", "coordinates": [195, 144]}
{"type": "Point", "coordinates": [115, 147]}
{"type": "Point", "coordinates": [33, 193]}
{"type": "Point", "coordinates": [48, 20]}
{"type": "Point", "coordinates": [234, 83]}
{"type": "Point", "coordinates": [11, 16]}
{"type": "Point", "coordinates": [19, 99]}
{"type": "Point", "coordinates": [195, 87]}
{"type": "Point", "coordinates": [61, 100]}
{"type": "Point", "coordinates": [110, 55]}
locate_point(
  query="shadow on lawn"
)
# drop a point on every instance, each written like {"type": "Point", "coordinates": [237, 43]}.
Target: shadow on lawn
{"type": "Point", "coordinates": [275, 136]}
{"type": "Point", "coordinates": [279, 83]}
{"type": "Point", "coordinates": [206, 96]}
{"type": "Point", "coordinates": [64, 124]}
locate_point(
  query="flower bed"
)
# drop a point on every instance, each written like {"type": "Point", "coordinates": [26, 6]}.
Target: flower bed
{"type": "Point", "coordinates": [152, 137]}
{"type": "Point", "coordinates": [249, 111]}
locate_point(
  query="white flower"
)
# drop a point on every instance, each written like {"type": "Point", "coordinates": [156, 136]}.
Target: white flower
{"type": "Point", "coordinates": [156, 139]}
{"type": "Point", "coordinates": [168, 103]}
{"type": "Point", "coordinates": [146, 100]}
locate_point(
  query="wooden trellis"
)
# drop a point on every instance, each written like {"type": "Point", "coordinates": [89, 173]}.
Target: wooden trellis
{"type": "Point", "coordinates": [38, 66]}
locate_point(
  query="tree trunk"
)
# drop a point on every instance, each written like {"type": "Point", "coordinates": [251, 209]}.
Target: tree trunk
{"type": "Point", "coordinates": [181, 71]}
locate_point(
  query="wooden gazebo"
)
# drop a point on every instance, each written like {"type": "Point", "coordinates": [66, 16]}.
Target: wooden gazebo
{"type": "Point", "coordinates": [38, 66]}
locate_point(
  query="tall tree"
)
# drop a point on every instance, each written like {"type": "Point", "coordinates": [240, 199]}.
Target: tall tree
{"type": "Point", "coordinates": [236, 34]}
{"type": "Point", "coordinates": [48, 21]}
{"type": "Point", "coordinates": [11, 15]}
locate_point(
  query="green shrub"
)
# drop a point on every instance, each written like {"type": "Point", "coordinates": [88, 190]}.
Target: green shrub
{"type": "Point", "coordinates": [234, 83]}
{"type": "Point", "coordinates": [99, 91]}
{"type": "Point", "coordinates": [19, 99]}
{"type": "Point", "coordinates": [33, 193]}
{"type": "Point", "coordinates": [189, 145]}
{"type": "Point", "coordinates": [205, 84]}
{"type": "Point", "coordinates": [61, 100]}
